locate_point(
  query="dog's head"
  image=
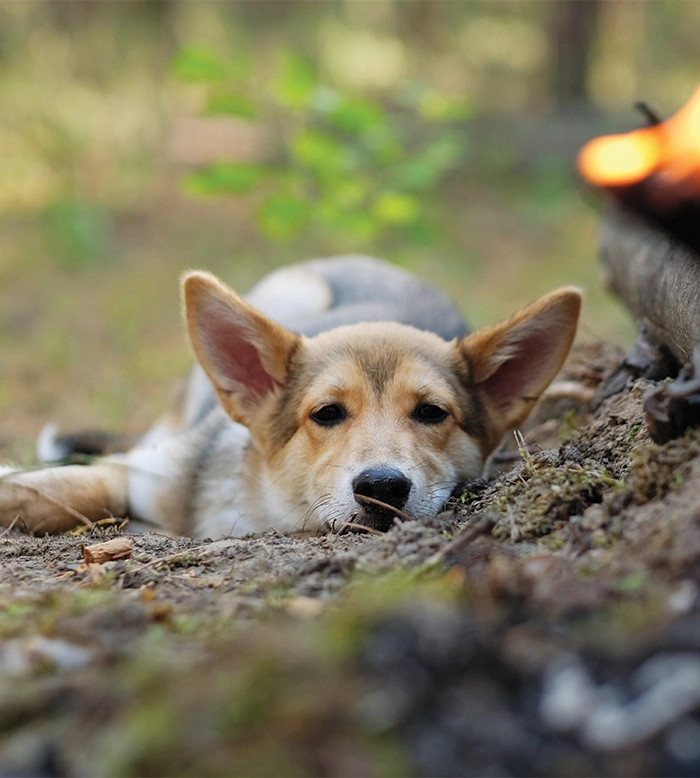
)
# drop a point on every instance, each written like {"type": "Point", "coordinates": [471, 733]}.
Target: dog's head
{"type": "Point", "coordinates": [370, 421]}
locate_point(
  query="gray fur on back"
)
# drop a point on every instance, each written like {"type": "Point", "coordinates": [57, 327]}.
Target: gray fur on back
{"type": "Point", "coordinates": [367, 289]}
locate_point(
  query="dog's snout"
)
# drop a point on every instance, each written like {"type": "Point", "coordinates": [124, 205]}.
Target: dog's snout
{"type": "Point", "coordinates": [385, 484]}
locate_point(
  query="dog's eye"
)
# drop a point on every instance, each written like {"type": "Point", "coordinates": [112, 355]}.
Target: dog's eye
{"type": "Point", "coordinates": [328, 415]}
{"type": "Point", "coordinates": [427, 413]}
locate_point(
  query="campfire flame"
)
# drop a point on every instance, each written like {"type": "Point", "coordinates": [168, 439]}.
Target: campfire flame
{"type": "Point", "coordinates": [669, 151]}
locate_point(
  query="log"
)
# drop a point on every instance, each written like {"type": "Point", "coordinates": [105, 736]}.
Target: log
{"type": "Point", "coordinates": [657, 277]}
{"type": "Point", "coordinates": [110, 550]}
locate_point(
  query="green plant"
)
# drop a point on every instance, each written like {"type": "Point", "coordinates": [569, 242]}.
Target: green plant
{"type": "Point", "coordinates": [349, 166]}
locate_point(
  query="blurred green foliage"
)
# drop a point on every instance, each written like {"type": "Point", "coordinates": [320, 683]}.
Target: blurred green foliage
{"type": "Point", "coordinates": [78, 231]}
{"type": "Point", "coordinates": [349, 166]}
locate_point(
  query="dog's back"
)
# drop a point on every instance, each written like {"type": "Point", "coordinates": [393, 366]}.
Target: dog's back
{"type": "Point", "coordinates": [352, 289]}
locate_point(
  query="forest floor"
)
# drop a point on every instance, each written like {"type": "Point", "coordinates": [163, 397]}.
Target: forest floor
{"type": "Point", "coordinates": [547, 623]}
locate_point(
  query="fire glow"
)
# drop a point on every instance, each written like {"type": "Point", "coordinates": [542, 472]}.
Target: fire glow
{"type": "Point", "coordinates": [669, 152]}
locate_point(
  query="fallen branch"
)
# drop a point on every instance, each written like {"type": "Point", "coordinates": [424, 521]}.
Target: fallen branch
{"type": "Point", "coordinates": [108, 551]}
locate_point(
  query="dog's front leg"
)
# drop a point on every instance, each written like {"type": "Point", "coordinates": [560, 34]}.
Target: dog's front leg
{"type": "Point", "coordinates": [55, 499]}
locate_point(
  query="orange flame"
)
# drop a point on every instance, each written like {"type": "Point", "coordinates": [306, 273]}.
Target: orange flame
{"type": "Point", "coordinates": [670, 149]}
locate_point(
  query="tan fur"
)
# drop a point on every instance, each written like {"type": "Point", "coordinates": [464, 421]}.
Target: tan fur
{"type": "Point", "coordinates": [57, 499]}
{"type": "Point", "coordinates": [379, 373]}
{"type": "Point", "coordinates": [311, 462]}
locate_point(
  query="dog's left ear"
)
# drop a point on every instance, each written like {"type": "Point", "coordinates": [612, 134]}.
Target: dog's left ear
{"type": "Point", "coordinates": [245, 354]}
{"type": "Point", "coordinates": [513, 362]}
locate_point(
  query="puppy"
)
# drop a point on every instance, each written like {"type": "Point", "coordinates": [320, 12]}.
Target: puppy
{"type": "Point", "coordinates": [341, 390]}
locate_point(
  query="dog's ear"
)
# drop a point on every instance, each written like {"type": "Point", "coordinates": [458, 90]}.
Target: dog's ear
{"type": "Point", "coordinates": [245, 354]}
{"type": "Point", "coordinates": [513, 362]}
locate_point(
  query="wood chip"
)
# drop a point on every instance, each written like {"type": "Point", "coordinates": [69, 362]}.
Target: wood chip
{"type": "Point", "coordinates": [117, 548]}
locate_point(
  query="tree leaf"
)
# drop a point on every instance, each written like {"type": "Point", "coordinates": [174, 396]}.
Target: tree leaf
{"type": "Point", "coordinates": [417, 174]}
{"type": "Point", "coordinates": [318, 151]}
{"type": "Point", "coordinates": [396, 208]}
{"type": "Point", "coordinates": [225, 178]}
{"type": "Point", "coordinates": [198, 65]}
{"type": "Point", "coordinates": [355, 115]}
{"type": "Point", "coordinates": [231, 105]}
{"type": "Point", "coordinates": [283, 215]}
{"type": "Point", "coordinates": [358, 224]}
{"type": "Point", "coordinates": [296, 83]}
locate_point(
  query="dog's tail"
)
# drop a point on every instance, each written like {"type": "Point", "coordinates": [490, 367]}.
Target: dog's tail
{"type": "Point", "coordinates": [75, 447]}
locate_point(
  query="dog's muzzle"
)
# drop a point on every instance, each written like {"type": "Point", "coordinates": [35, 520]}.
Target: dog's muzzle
{"type": "Point", "coordinates": [386, 485]}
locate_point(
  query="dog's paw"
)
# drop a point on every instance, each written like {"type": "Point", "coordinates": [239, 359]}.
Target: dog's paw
{"type": "Point", "coordinates": [55, 499]}
{"type": "Point", "coordinates": [23, 504]}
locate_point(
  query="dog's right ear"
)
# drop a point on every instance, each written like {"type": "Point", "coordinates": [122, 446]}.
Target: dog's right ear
{"type": "Point", "coordinates": [245, 354]}
{"type": "Point", "coordinates": [513, 362]}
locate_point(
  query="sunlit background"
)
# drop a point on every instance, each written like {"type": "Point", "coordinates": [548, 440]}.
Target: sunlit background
{"type": "Point", "coordinates": [139, 139]}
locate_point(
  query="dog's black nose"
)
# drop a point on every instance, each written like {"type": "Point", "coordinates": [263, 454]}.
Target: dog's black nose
{"type": "Point", "coordinates": [385, 484]}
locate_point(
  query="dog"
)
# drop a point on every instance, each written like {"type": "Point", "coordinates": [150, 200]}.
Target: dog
{"type": "Point", "coordinates": [339, 391]}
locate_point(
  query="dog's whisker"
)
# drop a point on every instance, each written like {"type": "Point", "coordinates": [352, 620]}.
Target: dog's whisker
{"type": "Point", "coordinates": [417, 466]}
{"type": "Point", "coordinates": [314, 507]}
{"type": "Point", "coordinates": [337, 466]}
{"type": "Point", "coordinates": [335, 516]}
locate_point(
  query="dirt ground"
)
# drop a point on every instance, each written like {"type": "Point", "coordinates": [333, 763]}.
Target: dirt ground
{"type": "Point", "coordinates": [547, 623]}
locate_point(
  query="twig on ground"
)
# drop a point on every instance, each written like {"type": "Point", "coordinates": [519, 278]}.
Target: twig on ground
{"type": "Point", "coordinates": [363, 527]}
{"type": "Point", "coordinates": [381, 504]}
{"type": "Point", "coordinates": [111, 521]}
{"type": "Point", "coordinates": [108, 551]}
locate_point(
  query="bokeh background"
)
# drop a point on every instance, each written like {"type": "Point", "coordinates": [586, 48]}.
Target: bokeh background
{"type": "Point", "coordinates": [140, 139]}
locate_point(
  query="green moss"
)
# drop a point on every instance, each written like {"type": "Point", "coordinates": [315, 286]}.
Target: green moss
{"type": "Point", "coordinates": [600, 539]}
{"type": "Point", "coordinates": [634, 429]}
{"type": "Point", "coordinates": [657, 470]}
{"type": "Point", "coordinates": [462, 499]}
{"type": "Point", "coordinates": [179, 561]}
{"type": "Point", "coordinates": [543, 496]}
{"type": "Point", "coordinates": [569, 425]}
{"type": "Point", "coordinates": [554, 542]}
{"type": "Point", "coordinates": [631, 583]}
